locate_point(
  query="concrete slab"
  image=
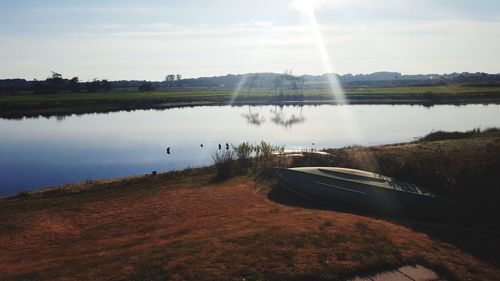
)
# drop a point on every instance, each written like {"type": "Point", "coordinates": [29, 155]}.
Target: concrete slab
{"type": "Point", "coordinates": [393, 275]}
{"type": "Point", "coordinates": [360, 279]}
{"type": "Point", "coordinates": [419, 273]}
{"type": "Point", "coordinates": [404, 273]}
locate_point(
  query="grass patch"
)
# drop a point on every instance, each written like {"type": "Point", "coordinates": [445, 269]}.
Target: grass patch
{"type": "Point", "coordinates": [474, 133]}
{"type": "Point", "coordinates": [28, 104]}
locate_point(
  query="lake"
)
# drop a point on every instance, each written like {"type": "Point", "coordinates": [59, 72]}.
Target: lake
{"type": "Point", "coordinates": [42, 152]}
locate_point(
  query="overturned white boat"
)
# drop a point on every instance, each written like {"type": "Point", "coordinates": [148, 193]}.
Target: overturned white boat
{"type": "Point", "coordinates": [362, 190]}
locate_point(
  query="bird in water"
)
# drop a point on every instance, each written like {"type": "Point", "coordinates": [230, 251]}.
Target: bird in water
{"type": "Point", "coordinates": [201, 145]}
{"type": "Point", "coordinates": [168, 150]}
{"type": "Point", "coordinates": [220, 146]}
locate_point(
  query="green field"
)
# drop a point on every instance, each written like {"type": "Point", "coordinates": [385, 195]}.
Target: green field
{"type": "Point", "coordinates": [27, 104]}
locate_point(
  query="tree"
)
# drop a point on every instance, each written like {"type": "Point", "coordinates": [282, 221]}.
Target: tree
{"type": "Point", "coordinates": [106, 85]}
{"type": "Point", "coordinates": [74, 85]}
{"type": "Point", "coordinates": [277, 83]}
{"type": "Point", "coordinates": [288, 76]}
{"type": "Point", "coordinates": [296, 82]}
{"type": "Point", "coordinates": [251, 81]}
{"type": "Point", "coordinates": [51, 85]}
{"type": "Point", "coordinates": [146, 87]}
{"type": "Point", "coordinates": [300, 84]}
{"type": "Point", "coordinates": [93, 86]}
{"type": "Point", "coordinates": [55, 76]}
{"type": "Point", "coordinates": [170, 80]}
{"type": "Point", "coordinates": [38, 87]}
{"type": "Point", "coordinates": [54, 83]}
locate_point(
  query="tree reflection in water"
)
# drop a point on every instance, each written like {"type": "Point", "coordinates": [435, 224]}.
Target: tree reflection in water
{"type": "Point", "coordinates": [254, 118]}
{"type": "Point", "coordinates": [287, 119]}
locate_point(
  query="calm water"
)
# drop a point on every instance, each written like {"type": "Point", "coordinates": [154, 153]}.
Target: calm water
{"type": "Point", "coordinates": [43, 152]}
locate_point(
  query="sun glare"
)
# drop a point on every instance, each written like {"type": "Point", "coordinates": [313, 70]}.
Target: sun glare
{"type": "Point", "coordinates": [307, 9]}
{"type": "Point", "coordinates": [306, 5]}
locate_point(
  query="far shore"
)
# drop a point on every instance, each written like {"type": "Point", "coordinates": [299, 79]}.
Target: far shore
{"type": "Point", "coordinates": [67, 111]}
{"type": "Point", "coordinates": [61, 104]}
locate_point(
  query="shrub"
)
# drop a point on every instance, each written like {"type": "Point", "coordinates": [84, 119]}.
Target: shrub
{"type": "Point", "coordinates": [243, 153]}
{"type": "Point", "coordinates": [265, 159]}
{"type": "Point", "coordinates": [224, 164]}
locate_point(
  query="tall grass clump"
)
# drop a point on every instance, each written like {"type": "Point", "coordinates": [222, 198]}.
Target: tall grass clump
{"type": "Point", "coordinates": [224, 164]}
{"type": "Point", "coordinates": [243, 153]}
{"type": "Point", "coordinates": [266, 157]}
{"type": "Point", "coordinates": [248, 159]}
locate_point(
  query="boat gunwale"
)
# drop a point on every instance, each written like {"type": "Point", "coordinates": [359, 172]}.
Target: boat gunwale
{"type": "Point", "coordinates": [304, 171]}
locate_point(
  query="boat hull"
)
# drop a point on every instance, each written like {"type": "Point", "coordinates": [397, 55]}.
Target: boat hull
{"type": "Point", "coordinates": [362, 190]}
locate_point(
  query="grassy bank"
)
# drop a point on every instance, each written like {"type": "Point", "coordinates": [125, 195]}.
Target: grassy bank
{"type": "Point", "coordinates": [474, 133]}
{"type": "Point", "coordinates": [461, 166]}
{"type": "Point", "coordinates": [68, 103]}
{"type": "Point", "coordinates": [186, 226]}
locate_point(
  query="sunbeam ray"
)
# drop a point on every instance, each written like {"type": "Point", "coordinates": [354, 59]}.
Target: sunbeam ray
{"type": "Point", "coordinates": [336, 89]}
{"type": "Point", "coordinates": [260, 46]}
{"type": "Point", "coordinates": [307, 10]}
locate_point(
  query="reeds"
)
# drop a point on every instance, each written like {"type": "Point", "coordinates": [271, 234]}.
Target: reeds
{"type": "Point", "coordinates": [248, 159]}
{"type": "Point", "coordinates": [223, 161]}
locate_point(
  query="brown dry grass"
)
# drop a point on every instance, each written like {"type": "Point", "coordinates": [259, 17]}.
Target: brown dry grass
{"type": "Point", "coordinates": [181, 227]}
{"type": "Point", "coordinates": [465, 170]}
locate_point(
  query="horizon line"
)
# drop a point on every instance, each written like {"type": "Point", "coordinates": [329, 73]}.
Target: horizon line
{"type": "Point", "coordinates": [264, 72]}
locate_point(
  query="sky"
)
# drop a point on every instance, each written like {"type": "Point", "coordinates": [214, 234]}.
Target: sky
{"type": "Point", "coordinates": [146, 40]}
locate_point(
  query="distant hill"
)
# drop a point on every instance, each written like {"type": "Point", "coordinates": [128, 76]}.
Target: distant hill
{"type": "Point", "coordinates": [269, 80]}
{"type": "Point", "coordinates": [275, 80]}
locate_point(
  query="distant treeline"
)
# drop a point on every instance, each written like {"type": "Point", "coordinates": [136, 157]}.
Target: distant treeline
{"type": "Point", "coordinates": [56, 82]}
{"type": "Point", "coordinates": [376, 79]}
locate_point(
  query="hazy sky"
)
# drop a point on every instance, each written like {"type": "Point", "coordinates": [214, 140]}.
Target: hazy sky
{"type": "Point", "coordinates": [149, 39]}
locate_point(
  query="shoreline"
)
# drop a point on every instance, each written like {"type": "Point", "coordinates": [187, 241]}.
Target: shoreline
{"type": "Point", "coordinates": [76, 187]}
{"type": "Point", "coordinates": [107, 108]}
{"type": "Point", "coordinates": [82, 186]}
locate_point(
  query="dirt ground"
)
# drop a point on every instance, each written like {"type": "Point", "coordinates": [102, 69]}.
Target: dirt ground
{"type": "Point", "coordinates": [182, 227]}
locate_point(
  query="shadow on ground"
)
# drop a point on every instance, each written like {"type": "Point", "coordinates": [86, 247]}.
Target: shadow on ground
{"type": "Point", "coordinates": [480, 242]}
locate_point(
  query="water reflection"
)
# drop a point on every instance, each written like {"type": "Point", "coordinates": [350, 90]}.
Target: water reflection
{"type": "Point", "coordinates": [253, 118]}
{"type": "Point", "coordinates": [287, 118]}
{"type": "Point", "coordinates": [283, 116]}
